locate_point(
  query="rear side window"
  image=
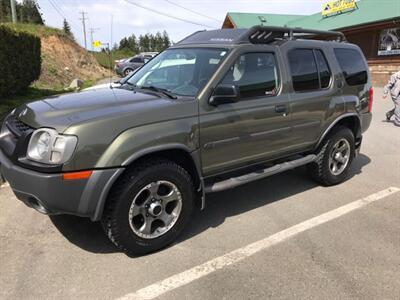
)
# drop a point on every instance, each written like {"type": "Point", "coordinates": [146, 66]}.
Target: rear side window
{"type": "Point", "coordinates": [304, 70]}
{"type": "Point", "coordinates": [323, 69]}
{"type": "Point", "coordinates": [353, 66]}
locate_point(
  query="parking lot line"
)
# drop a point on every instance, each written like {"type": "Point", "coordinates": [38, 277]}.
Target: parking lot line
{"type": "Point", "coordinates": [197, 272]}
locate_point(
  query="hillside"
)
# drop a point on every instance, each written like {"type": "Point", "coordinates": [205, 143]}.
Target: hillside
{"type": "Point", "coordinates": [62, 58]}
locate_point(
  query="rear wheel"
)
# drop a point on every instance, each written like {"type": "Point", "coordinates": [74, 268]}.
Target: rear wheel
{"type": "Point", "coordinates": [334, 157]}
{"type": "Point", "coordinates": [149, 207]}
{"type": "Point", "coordinates": [128, 71]}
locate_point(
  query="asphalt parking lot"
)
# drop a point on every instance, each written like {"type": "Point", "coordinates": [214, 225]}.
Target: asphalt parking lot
{"type": "Point", "coordinates": [301, 252]}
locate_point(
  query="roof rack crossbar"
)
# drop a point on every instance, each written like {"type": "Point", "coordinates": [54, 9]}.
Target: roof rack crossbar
{"type": "Point", "coordinates": [266, 34]}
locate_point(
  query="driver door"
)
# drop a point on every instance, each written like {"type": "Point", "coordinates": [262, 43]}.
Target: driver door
{"type": "Point", "coordinates": [255, 128]}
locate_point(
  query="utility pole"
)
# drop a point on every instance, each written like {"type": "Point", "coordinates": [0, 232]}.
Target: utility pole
{"type": "Point", "coordinates": [13, 11]}
{"type": "Point", "coordinates": [92, 30]}
{"type": "Point", "coordinates": [84, 26]}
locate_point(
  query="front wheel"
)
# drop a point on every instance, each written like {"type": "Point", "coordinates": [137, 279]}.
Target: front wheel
{"type": "Point", "coordinates": [149, 207]}
{"type": "Point", "coordinates": [334, 158]}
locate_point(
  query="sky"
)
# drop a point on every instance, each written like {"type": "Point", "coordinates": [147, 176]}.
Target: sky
{"type": "Point", "coordinates": [128, 18]}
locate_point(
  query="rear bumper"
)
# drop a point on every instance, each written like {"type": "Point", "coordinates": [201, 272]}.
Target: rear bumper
{"type": "Point", "coordinates": [50, 194]}
{"type": "Point", "coordinates": [365, 121]}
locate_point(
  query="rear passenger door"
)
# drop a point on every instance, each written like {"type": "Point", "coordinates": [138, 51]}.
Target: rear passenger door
{"type": "Point", "coordinates": [254, 128]}
{"type": "Point", "coordinates": [313, 94]}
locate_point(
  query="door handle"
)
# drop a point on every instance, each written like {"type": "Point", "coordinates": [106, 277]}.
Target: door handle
{"type": "Point", "coordinates": [280, 109]}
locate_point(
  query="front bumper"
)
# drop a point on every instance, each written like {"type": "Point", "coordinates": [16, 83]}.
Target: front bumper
{"type": "Point", "coordinates": [50, 194]}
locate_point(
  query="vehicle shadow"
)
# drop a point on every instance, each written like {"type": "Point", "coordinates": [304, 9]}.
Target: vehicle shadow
{"type": "Point", "coordinates": [90, 237]}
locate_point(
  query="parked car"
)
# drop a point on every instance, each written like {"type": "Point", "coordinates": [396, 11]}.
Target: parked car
{"type": "Point", "coordinates": [217, 110]}
{"type": "Point", "coordinates": [125, 66]}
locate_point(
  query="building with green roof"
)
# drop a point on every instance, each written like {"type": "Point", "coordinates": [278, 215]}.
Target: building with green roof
{"type": "Point", "coordinates": [374, 25]}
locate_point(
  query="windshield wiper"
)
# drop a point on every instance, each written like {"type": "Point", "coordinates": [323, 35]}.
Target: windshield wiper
{"type": "Point", "coordinates": [160, 90]}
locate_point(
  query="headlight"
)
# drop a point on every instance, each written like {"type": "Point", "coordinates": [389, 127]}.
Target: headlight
{"type": "Point", "coordinates": [49, 147]}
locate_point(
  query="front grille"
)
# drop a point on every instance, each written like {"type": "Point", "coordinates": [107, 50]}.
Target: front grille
{"type": "Point", "coordinates": [17, 127]}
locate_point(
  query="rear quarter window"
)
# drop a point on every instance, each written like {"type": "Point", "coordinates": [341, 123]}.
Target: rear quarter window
{"type": "Point", "coordinates": [353, 66]}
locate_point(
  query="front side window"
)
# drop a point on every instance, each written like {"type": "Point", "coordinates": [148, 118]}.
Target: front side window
{"type": "Point", "coordinates": [304, 70]}
{"type": "Point", "coordinates": [353, 66]}
{"type": "Point", "coordinates": [255, 75]}
{"type": "Point", "coordinates": [183, 71]}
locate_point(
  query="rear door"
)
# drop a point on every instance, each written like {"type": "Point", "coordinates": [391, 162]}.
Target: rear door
{"type": "Point", "coordinates": [252, 129]}
{"type": "Point", "coordinates": [314, 94]}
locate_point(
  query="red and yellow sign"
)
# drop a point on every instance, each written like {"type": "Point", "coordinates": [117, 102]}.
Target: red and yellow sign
{"type": "Point", "coordinates": [336, 6]}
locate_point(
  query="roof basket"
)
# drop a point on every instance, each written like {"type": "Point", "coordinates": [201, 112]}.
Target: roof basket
{"type": "Point", "coordinates": [267, 34]}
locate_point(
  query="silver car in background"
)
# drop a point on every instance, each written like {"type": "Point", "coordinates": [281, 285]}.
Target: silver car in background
{"type": "Point", "coordinates": [125, 66]}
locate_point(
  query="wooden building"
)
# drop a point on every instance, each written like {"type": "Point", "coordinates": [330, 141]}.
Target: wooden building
{"type": "Point", "coordinates": [374, 25]}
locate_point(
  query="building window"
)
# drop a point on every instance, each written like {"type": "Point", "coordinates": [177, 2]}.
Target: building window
{"type": "Point", "coordinates": [255, 74]}
{"type": "Point", "coordinates": [389, 42]}
{"type": "Point", "coordinates": [353, 66]}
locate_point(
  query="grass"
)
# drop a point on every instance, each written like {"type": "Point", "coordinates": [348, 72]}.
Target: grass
{"type": "Point", "coordinates": [104, 59]}
{"type": "Point", "coordinates": [37, 30]}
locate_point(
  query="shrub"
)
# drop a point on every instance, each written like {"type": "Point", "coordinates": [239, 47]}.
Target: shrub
{"type": "Point", "coordinates": [20, 60]}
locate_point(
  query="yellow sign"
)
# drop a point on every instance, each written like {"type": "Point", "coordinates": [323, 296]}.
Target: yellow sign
{"type": "Point", "coordinates": [96, 44]}
{"type": "Point", "coordinates": [336, 6]}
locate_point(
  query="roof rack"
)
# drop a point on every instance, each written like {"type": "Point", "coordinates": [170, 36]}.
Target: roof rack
{"type": "Point", "coordinates": [267, 34]}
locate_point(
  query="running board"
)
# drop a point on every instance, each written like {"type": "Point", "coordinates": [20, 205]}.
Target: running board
{"type": "Point", "coordinates": [236, 181]}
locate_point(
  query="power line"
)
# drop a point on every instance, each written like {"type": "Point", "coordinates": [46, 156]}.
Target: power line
{"type": "Point", "coordinates": [84, 26]}
{"type": "Point", "coordinates": [61, 9]}
{"type": "Point", "coordinates": [58, 10]}
{"type": "Point", "coordinates": [193, 11]}
{"type": "Point", "coordinates": [167, 15]}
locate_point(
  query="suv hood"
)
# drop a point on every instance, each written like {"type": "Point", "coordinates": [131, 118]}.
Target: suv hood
{"type": "Point", "coordinates": [62, 111]}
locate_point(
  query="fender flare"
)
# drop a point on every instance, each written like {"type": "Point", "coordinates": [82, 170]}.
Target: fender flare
{"type": "Point", "coordinates": [107, 187]}
{"type": "Point", "coordinates": [334, 123]}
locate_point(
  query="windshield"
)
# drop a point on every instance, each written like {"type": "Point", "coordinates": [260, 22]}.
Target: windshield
{"type": "Point", "coordinates": [180, 71]}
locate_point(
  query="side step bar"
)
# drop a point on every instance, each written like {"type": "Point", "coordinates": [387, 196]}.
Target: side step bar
{"type": "Point", "coordinates": [236, 181]}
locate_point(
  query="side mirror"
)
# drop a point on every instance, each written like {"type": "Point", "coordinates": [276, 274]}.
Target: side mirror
{"type": "Point", "coordinates": [224, 93]}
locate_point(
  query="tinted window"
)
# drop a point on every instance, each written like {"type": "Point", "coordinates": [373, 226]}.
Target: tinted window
{"type": "Point", "coordinates": [323, 68]}
{"type": "Point", "coordinates": [353, 66]}
{"type": "Point", "coordinates": [136, 60]}
{"type": "Point", "coordinates": [304, 70]}
{"type": "Point", "coordinates": [255, 74]}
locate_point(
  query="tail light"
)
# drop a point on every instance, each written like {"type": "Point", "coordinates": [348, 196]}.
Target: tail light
{"type": "Point", "coordinates": [370, 99]}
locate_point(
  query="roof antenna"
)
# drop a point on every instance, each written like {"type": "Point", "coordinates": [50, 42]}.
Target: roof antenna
{"type": "Point", "coordinates": [262, 19]}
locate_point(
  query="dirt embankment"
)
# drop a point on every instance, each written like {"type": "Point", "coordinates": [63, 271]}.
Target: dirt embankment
{"type": "Point", "coordinates": [64, 60]}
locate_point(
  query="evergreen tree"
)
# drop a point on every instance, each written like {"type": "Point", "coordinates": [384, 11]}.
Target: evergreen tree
{"type": "Point", "coordinates": [29, 12]}
{"type": "Point", "coordinates": [166, 41]}
{"type": "Point", "coordinates": [123, 44]}
{"type": "Point", "coordinates": [5, 11]}
{"type": "Point", "coordinates": [67, 29]}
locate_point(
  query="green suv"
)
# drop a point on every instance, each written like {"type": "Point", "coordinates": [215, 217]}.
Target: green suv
{"type": "Point", "coordinates": [217, 110]}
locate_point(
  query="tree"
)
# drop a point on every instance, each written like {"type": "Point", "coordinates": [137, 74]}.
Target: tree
{"type": "Point", "coordinates": [67, 29]}
{"type": "Point", "coordinates": [166, 40]}
{"type": "Point", "coordinates": [29, 12]}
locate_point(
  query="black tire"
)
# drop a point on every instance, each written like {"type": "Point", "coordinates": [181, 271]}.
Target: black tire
{"type": "Point", "coordinates": [320, 170]}
{"type": "Point", "coordinates": [127, 71]}
{"type": "Point", "coordinates": [116, 215]}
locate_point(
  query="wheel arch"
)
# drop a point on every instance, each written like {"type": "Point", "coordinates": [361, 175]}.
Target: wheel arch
{"type": "Point", "coordinates": [189, 160]}
{"type": "Point", "coordinates": [349, 120]}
